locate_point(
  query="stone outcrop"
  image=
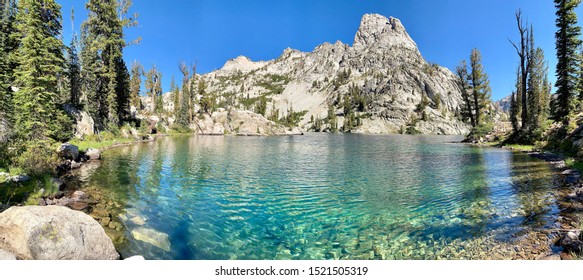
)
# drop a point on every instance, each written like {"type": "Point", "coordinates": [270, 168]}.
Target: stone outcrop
{"type": "Point", "coordinates": [85, 125]}
{"type": "Point", "coordinates": [244, 123]}
{"type": "Point", "coordinates": [383, 66]}
{"type": "Point", "coordinates": [53, 233]}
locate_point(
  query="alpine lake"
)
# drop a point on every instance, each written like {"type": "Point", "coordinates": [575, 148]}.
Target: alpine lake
{"type": "Point", "coordinates": [323, 196]}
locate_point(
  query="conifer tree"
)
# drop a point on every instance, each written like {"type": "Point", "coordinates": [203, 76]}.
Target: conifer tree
{"type": "Point", "coordinates": [515, 104]}
{"type": "Point", "coordinates": [104, 73]}
{"type": "Point", "coordinates": [136, 84]}
{"type": "Point", "coordinates": [332, 120]}
{"type": "Point", "coordinates": [175, 94]}
{"type": "Point", "coordinates": [182, 118]}
{"type": "Point", "coordinates": [40, 61]}
{"type": "Point", "coordinates": [567, 44]}
{"type": "Point", "coordinates": [462, 79]}
{"type": "Point", "coordinates": [7, 64]}
{"type": "Point", "coordinates": [480, 86]}
{"type": "Point", "coordinates": [154, 89]}
{"type": "Point", "coordinates": [74, 73]}
{"type": "Point", "coordinates": [122, 90]}
{"type": "Point", "coordinates": [536, 88]}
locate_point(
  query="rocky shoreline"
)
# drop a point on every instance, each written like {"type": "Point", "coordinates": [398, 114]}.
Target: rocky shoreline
{"type": "Point", "coordinates": [19, 237]}
{"type": "Point", "coordinates": [565, 241]}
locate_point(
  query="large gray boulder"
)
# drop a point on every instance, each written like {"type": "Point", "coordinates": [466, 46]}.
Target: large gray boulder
{"type": "Point", "coordinates": [68, 151]}
{"type": "Point", "coordinates": [53, 233]}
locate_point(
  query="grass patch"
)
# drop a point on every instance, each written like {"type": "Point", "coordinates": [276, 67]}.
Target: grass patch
{"type": "Point", "coordinates": [85, 144]}
{"type": "Point", "coordinates": [574, 164]}
{"type": "Point", "coordinates": [179, 130]}
{"type": "Point", "coordinates": [519, 147]}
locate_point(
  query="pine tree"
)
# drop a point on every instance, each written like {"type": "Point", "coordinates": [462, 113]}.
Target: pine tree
{"type": "Point", "coordinates": [515, 104]}
{"type": "Point", "coordinates": [567, 44]}
{"type": "Point", "coordinates": [136, 84]}
{"type": "Point", "coordinates": [175, 95]}
{"type": "Point", "coordinates": [462, 80]}
{"type": "Point", "coordinates": [201, 92]}
{"type": "Point", "coordinates": [104, 73]}
{"type": "Point", "coordinates": [545, 99]}
{"type": "Point", "coordinates": [332, 120]}
{"type": "Point", "coordinates": [40, 62]}
{"type": "Point", "coordinates": [182, 118]}
{"type": "Point", "coordinates": [480, 86]}
{"type": "Point", "coordinates": [536, 88]}
{"type": "Point", "coordinates": [261, 107]}
{"type": "Point", "coordinates": [69, 84]}
{"type": "Point", "coordinates": [154, 89]}
{"type": "Point", "coordinates": [74, 73]}
{"type": "Point", "coordinates": [123, 94]}
{"type": "Point", "coordinates": [7, 65]}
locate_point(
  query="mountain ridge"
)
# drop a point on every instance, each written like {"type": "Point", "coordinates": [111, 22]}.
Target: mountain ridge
{"type": "Point", "coordinates": [384, 67]}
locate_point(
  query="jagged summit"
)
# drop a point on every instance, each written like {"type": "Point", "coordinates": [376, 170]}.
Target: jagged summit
{"type": "Point", "coordinates": [379, 31]}
{"type": "Point", "coordinates": [242, 63]}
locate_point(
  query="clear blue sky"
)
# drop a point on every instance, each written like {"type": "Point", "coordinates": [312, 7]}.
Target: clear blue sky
{"type": "Point", "coordinates": [209, 32]}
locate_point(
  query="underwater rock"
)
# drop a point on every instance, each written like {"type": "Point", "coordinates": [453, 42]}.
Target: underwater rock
{"type": "Point", "coordinates": [153, 237]}
{"type": "Point", "coordinates": [138, 220]}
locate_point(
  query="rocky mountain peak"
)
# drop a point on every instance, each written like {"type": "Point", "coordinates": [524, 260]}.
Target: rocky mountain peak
{"type": "Point", "coordinates": [241, 63]}
{"type": "Point", "coordinates": [378, 31]}
{"type": "Point", "coordinates": [399, 90]}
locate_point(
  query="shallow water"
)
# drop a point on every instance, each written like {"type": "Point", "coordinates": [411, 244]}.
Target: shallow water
{"type": "Point", "coordinates": [323, 196]}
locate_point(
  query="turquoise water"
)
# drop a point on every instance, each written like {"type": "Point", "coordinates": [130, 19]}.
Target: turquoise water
{"type": "Point", "coordinates": [322, 196]}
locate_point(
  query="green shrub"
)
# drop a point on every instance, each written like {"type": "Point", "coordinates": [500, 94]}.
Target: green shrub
{"type": "Point", "coordinates": [161, 128]}
{"type": "Point", "coordinates": [178, 129]}
{"type": "Point", "coordinates": [106, 136]}
{"type": "Point", "coordinates": [38, 157]}
{"type": "Point", "coordinates": [412, 130]}
{"type": "Point", "coordinates": [482, 129]}
{"type": "Point", "coordinates": [574, 164]}
{"type": "Point", "coordinates": [61, 127]}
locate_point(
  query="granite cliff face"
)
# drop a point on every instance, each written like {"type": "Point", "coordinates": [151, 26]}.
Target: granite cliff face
{"type": "Point", "coordinates": [384, 67]}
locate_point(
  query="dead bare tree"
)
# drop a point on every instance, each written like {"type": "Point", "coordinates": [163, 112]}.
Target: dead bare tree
{"type": "Point", "coordinates": [524, 54]}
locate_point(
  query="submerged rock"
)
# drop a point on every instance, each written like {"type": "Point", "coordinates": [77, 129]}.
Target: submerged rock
{"type": "Point", "coordinates": [138, 220]}
{"type": "Point", "coordinates": [53, 233]}
{"type": "Point", "coordinates": [153, 237]}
